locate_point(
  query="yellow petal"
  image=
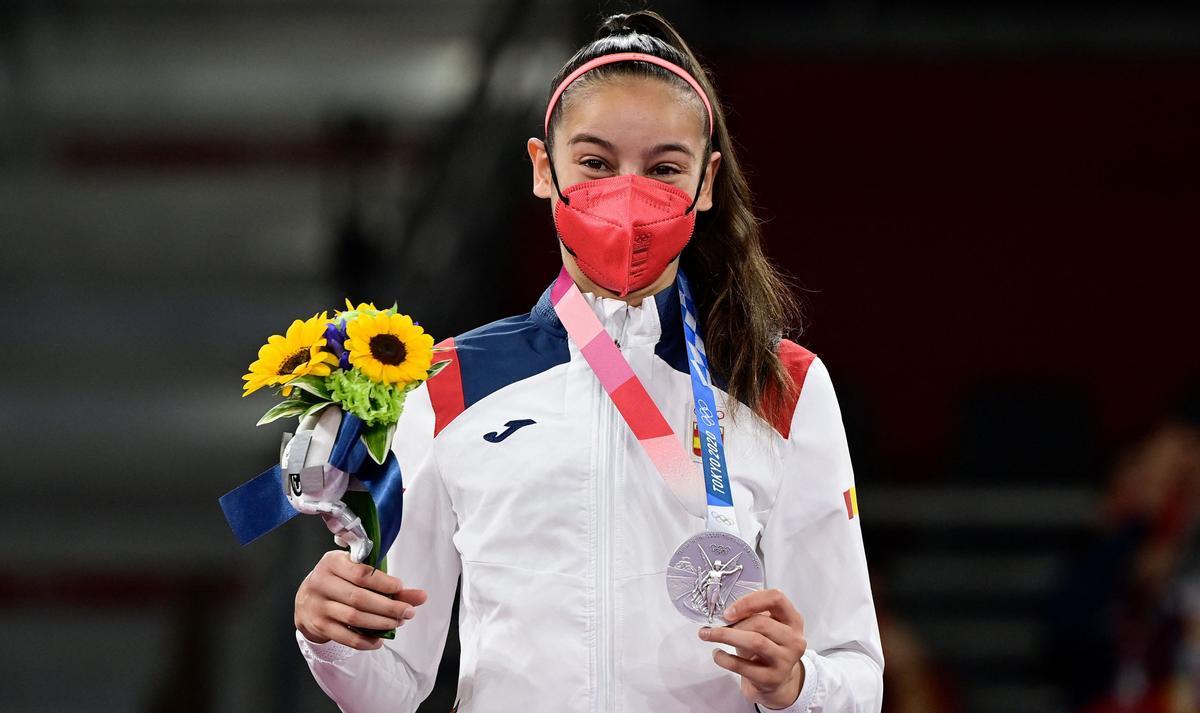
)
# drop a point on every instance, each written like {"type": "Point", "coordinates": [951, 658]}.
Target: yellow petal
{"type": "Point", "coordinates": [414, 372]}
{"type": "Point", "coordinates": [400, 323]}
{"type": "Point", "coordinates": [293, 331]}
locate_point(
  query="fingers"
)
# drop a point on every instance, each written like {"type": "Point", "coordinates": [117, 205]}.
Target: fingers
{"type": "Point", "coordinates": [358, 574]}
{"type": "Point", "coordinates": [766, 678]}
{"type": "Point", "coordinates": [415, 597]}
{"type": "Point", "coordinates": [340, 593]}
{"type": "Point", "coordinates": [788, 638]}
{"type": "Point", "coordinates": [359, 598]}
{"type": "Point", "coordinates": [765, 600]}
{"type": "Point", "coordinates": [762, 676]}
{"type": "Point", "coordinates": [768, 634]}
{"type": "Point", "coordinates": [367, 577]}
{"type": "Point", "coordinates": [363, 581]}
{"type": "Point", "coordinates": [751, 643]}
{"type": "Point", "coordinates": [759, 638]}
{"type": "Point", "coordinates": [326, 630]}
{"type": "Point", "coordinates": [349, 616]}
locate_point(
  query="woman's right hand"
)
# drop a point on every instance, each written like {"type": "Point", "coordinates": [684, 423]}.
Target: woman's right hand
{"type": "Point", "coordinates": [339, 593]}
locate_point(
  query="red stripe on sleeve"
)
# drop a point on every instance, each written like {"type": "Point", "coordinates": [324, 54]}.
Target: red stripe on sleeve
{"type": "Point", "coordinates": [445, 389]}
{"type": "Point", "coordinates": [796, 360]}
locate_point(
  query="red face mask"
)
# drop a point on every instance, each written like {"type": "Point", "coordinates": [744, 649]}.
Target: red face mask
{"type": "Point", "coordinates": [624, 230]}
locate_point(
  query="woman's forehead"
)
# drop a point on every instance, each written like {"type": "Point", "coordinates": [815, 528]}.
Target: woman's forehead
{"type": "Point", "coordinates": [633, 110]}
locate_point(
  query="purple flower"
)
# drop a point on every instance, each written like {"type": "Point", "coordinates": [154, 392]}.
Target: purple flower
{"type": "Point", "coordinates": [335, 341]}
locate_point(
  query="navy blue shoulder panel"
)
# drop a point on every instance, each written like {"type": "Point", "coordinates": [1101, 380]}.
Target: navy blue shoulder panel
{"type": "Point", "coordinates": [504, 352]}
{"type": "Point", "coordinates": [671, 346]}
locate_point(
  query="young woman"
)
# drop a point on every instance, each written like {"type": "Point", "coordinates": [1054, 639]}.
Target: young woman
{"type": "Point", "coordinates": [560, 464]}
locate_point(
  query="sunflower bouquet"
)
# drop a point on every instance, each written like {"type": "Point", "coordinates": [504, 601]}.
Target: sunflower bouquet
{"type": "Point", "coordinates": [346, 377]}
{"type": "Point", "coordinates": [365, 360]}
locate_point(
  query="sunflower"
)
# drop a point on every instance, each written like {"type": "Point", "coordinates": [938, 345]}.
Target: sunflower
{"type": "Point", "coordinates": [298, 353]}
{"type": "Point", "coordinates": [351, 308]}
{"type": "Point", "coordinates": [389, 348]}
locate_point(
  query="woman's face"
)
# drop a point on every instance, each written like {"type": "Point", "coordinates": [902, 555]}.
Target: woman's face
{"type": "Point", "coordinates": [627, 125]}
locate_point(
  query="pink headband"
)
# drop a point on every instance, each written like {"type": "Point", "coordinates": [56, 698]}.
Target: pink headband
{"type": "Point", "coordinates": [621, 57]}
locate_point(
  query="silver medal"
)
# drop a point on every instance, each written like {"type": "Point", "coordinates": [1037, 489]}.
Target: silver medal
{"type": "Point", "coordinates": [710, 571]}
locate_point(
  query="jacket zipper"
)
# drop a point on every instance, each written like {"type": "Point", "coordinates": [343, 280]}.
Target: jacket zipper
{"type": "Point", "coordinates": [605, 586]}
{"type": "Point", "coordinates": [603, 556]}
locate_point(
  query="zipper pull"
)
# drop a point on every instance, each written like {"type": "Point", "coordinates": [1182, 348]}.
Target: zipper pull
{"type": "Point", "coordinates": [624, 325]}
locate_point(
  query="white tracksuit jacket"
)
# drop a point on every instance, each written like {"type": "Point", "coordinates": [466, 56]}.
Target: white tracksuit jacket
{"type": "Point", "coordinates": [561, 530]}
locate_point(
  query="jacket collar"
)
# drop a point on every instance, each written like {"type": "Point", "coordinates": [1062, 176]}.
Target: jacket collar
{"type": "Point", "coordinates": [664, 326]}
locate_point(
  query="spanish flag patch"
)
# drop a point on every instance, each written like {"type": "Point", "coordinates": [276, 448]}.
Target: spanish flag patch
{"type": "Point", "coordinates": [851, 498]}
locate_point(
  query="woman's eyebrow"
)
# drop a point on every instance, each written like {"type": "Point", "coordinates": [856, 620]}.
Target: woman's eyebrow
{"type": "Point", "coordinates": [664, 148]}
{"type": "Point", "coordinates": [659, 149]}
{"type": "Point", "coordinates": [591, 139]}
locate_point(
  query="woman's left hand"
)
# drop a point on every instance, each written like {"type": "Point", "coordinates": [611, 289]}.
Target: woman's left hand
{"type": "Point", "coordinates": [768, 634]}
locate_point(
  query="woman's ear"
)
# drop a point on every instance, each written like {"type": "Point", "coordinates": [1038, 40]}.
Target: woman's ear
{"type": "Point", "coordinates": [710, 179]}
{"type": "Point", "coordinates": [540, 158]}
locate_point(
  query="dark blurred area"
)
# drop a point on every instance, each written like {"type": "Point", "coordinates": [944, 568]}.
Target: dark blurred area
{"type": "Point", "coordinates": [990, 208]}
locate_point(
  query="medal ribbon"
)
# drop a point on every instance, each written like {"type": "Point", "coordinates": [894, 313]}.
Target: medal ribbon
{"type": "Point", "coordinates": [644, 417]}
{"type": "Point", "coordinates": [721, 515]}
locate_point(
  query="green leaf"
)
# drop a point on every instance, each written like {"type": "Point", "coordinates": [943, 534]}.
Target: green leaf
{"type": "Point", "coordinates": [378, 439]}
{"type": "Point", "coordinates": [283, 409]}
{"type": "Point", "coordinates": [316, 408]}
{"type": "Point", "coordinates": [362, 505]}
{"type": "Point", "coordinates": [437, 367]}
{"type": "Point", "coordinates": [314, 385]}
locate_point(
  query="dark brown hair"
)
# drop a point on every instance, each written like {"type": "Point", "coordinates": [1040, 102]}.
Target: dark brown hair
{"type": "Point", "coordinates": [745, 304]}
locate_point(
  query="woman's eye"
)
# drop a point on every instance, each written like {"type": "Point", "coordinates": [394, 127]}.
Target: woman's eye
{"type": "Point", "coordinates": [665, 170]}
{"type": "Point", "coordinates": [593, 163]}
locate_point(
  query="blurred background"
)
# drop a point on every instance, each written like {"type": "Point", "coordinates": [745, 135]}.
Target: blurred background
{"type": "Point", "coordinates": [992, 207]}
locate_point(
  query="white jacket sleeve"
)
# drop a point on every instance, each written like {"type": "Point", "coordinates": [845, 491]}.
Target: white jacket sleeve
{"type": "Point", "coordinates": [813, 552]}
{"type": "Point", "coordinates": [400, 674]}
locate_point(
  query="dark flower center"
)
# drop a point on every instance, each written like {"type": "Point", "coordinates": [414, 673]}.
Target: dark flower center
{"type": "Point", "coordinates": [388, 349]}
{"type": "Point", "coordinates": [295, 360]}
